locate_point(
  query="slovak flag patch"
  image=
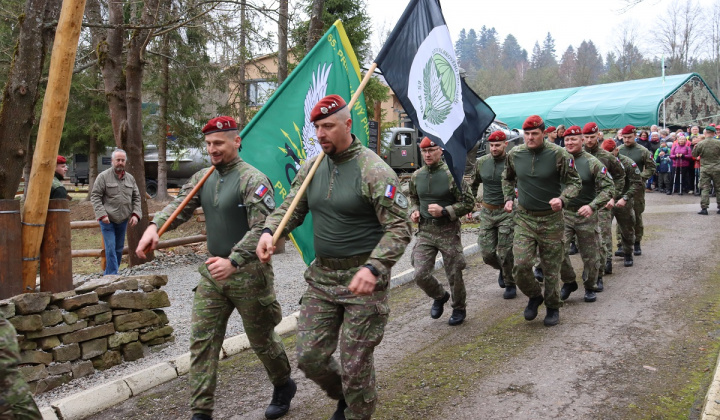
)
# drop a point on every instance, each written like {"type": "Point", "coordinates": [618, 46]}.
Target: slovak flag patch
{"type": "Point", "coordinates": [603, 170]}
{"type": "Point", "coordinates": [390, 191]}
{"type": "Point", "coordinates": [634, 164]}
{"type": "Point", "coordinates": [261, 191]}
{"type": "Point", "coordinates": [571, 163]}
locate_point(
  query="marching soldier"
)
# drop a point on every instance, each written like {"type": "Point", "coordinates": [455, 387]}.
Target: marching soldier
{"type": "Point", "coordinates": [236, 198]}
{"type": "Point", "coordinates": [16, 401]}
{"type": "Point", "coordinates": [360, 229]}
{"type": "Point", "coordinates": [708, 150]}
{"type": "Point", "coordinates": [581, 216]}
{"type": "Point", "coordinates": [495, 239]}
{"type": "Point", "coordinates": [546, 179]}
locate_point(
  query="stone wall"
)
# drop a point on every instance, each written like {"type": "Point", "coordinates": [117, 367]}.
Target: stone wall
{"type": "Point", "coordinates": [64, 336]}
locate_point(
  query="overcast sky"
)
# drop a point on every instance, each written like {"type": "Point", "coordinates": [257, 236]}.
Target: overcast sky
{"type": "Point", "coordinates": [568, 21]}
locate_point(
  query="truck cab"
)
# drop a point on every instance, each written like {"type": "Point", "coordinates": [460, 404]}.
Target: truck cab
{"type": "Point", "coordinates": [400, 149]}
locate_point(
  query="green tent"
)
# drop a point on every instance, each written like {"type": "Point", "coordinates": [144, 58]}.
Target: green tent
{"type": "Point", "coordinates": [688, 101]}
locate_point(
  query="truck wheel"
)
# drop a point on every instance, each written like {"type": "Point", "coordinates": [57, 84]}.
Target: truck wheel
{"type": "Point", "coordinates": [151, 187]}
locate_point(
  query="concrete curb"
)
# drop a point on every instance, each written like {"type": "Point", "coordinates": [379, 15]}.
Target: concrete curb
{"type": "Point", "coordinates": [711, 408]}
{"type": "Point", "coordinates": [94, 400]}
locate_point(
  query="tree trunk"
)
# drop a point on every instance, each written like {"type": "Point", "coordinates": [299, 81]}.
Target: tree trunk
{"type": "Point", "coordinates": [27, 168]}
{"type": "Point", "coordinates": [162, 168]}
{"type": "Point", "coordinates": [315, 31]}
{"type": "Point", "coordinates": [282, 41]}
{"type": "Point", "coordinates": [92, 164]}
{"type": "Point", "coordinates": [20, 95]}
{"type": "Point", "coordinates": [242, 88]}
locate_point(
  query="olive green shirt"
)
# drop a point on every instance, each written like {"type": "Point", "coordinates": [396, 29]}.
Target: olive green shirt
{"type": "Point", "coordinates": [597, 187]}
{"type": "Point", "coordinates": [642, 157]}
{"type": "Point", "coordinates": [488, 171]}
{"type": "Point", "coordinates": [436, 185]}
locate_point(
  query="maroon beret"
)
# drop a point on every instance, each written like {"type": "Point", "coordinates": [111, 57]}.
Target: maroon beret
{"type": "Point", "coordinates": [609, 145]}
{"type": "Point", "coordinates": [573, 130]}
{"type": "Point", "coordinates": [550, 129]}
{"type": "Point", "coordinates": [532, 122]}
{"type": "Point", "coordinates": [629, 129]}
{"type": "Point", "coordinates": [61, 159]}
{"type": "Point", "coordinates": [426, 142]}
{"type": "Point", "coordinates": [497, 136]}
{"type": "Point", "coordinates": [217, 124]}
{"type": "Point", "coordinates": [590, 128]}
{"type": "Point", "coordinates": [326, 107]}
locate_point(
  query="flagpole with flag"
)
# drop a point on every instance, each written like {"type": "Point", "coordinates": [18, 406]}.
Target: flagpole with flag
{"type": "Point", "coordinates": [418, 62]}
{"type": "Point", "coordinates": [281, 137]}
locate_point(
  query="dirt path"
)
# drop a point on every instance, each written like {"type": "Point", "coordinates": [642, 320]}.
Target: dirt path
{"type": "Point", "coordinates": [646, 349]}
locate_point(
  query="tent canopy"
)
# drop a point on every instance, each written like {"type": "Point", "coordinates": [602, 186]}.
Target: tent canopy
{"type": "Point", "coordinates": [611, 105]}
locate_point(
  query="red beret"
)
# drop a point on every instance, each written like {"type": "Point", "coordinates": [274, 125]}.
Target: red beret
{"type": "Point", "coordinates": [550, 129]}
{"type": "Point", "coordinates": [532, 122]}
{"type": "Point", "coordinates": [573, 130]}
{"type": "Point", "coordinates": [497, 136]}
{"type": "Point", "coordinates": [219, 124]}
{"type": "Point", "coordinates": [61, 159]}
{"type": "Point", "coordinates": [590, 128]}
{"type": "Point", "coordinates": [609, 145]}
{"type": "Point", "coordinates": [326, 107]}
{"type": "Point", "coordinates": [426, 142]}
{"type": "Point", "coordinates": [629, 129]}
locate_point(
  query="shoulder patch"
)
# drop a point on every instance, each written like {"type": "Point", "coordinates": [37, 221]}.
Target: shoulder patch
{"type": "Point", "coordinates": [637, 170]}
{"type": "Point", "coordinates": [603, 170]}
{"type": "Point", "coordinates": [261, 191]}
{"type": "Point", "coordinates": [571, 163]}
{"type": "Point", "coordinates": [390, 191]}
{"type": "Point", "coordinates": [269, 202]}
{"type": "Point", "coordinates": [401, 200]}
{"type": "Point", "coordinates": [634, 165]}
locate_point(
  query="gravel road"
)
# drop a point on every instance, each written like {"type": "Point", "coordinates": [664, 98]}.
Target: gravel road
{"type": "Point", "coordinates": [182, 275]}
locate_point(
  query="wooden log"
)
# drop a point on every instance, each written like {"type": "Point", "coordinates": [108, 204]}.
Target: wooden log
{"type": "Point", "coordinates": [80, 253]}
{"type": "Point", "coordinates": [50, 129]}
{"type": "Point", "coordinates": [10, 252]}
{"type": "Point", "coordinates": [91, 224]}
{"type": "Point", "coordinates": [55, 251]}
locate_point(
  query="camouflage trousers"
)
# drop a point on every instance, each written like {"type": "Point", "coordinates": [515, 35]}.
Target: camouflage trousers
{"type": "Point", "coordinates": [625, 217]}
{"type": "Point", "coordinates": [588, 234]}
{"type": "Point", "coordinates": [330, 315]}
{"type": "Point", "coordinates": [638, 206]}
{"type": "Point", "coordinates": [16, 401]}
{"type": "Point", "coordinates": [495, 241]}
{"type": "Point", "coordinates": [605, 224]}
{"type": "Point", "coordinates": [706, 177]}
{"type": "Point", "coordinates": [539, 236]}
{"type": "Point", "coordinates": [251, 292]}
{"type": "Point", "coordinates": [446, 239]}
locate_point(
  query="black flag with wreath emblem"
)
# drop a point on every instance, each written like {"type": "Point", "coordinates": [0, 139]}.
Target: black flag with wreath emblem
{"type": "Point", "coordinates": [418, 62]}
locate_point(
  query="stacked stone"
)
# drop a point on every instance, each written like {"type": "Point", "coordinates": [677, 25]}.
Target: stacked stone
{"type": "Point", "coordinates": [64, 336]}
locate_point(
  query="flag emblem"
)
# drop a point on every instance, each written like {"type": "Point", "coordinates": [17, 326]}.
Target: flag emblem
{"type": "Point", "coordinates": [603, 170]}
{"type": "Point", "coordinates": [261, 191]}
{"type": "Point", "coordinates": [390, 191]}
{"type": "Point", "coordinates": [571, 163]}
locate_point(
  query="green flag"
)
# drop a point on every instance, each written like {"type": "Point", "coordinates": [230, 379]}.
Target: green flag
{"type": "Point", "coordinates": [281, 137]}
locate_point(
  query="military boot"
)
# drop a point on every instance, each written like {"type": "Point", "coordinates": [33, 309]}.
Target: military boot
{"type": "Point", "coordinates": [280, 403]}
{"type": "Point", "coordinates": [590, 295]}
{"type": "Point", "coordinates": [510, 292]}
{"type": "Point", "coordinates": [531, 310]}
{"type": "Point", "coordinates": [339, 413]}
{"type": "Point", "coordinates": [501, 280]}
{"type": "Point", "coordinates": [200, 416]}
{"type": "Point", "coordinates": [538, 273]}
{"type": "Point", "coordinates": [628, 260]}
{"type": "Point", "coordinates": [438, 306]}
{"type": "Point", "coordinates": [619, 252]}
{"type": "Point", "coordinates": [599, 287]}
{"type": "Point", "coordinates": [552, 317]}
{"type": "Point", "coordinates": [608, 266]}
{"type": "Point", "coordinates": [718, 212]}
{"type": "Point", "coordinates": [567, 288]}
{"type": "Point", "coordinates": [703, 212]}
{"type": "Point", "coordinates": [573, 248]}
{"type": "Point", "coordinates": [457, 317]}
{"type": "Point", "coordinates": [637, 250]}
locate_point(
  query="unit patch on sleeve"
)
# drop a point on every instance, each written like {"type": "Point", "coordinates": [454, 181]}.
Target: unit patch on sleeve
{"type": "Point", "coordinates": [261, 191]}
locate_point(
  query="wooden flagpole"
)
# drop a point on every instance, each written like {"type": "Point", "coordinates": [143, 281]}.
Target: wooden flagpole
{"type": "Point", "coordinates": [50, 129]}
{"type": "Point", "coordinates": [319, 159]}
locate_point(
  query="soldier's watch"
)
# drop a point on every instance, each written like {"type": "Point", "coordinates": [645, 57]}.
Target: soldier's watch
{"type": "Point", "coordinates": [372, 269]}
{"type": "Point", "coordinates": [234, 264]}
{"type": "Point", "coordinates": [625, 197]}
{"type": "Point", "coordinates": [445, 213]}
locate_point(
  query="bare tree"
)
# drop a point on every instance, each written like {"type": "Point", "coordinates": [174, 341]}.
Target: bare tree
{"type": "Point", "coordinates": [713, 38]}
{"type": "Point", "coordinates": [680, 34]}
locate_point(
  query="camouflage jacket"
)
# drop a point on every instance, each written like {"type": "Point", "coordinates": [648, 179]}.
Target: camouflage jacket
{"type": "Point", "coordinates": [597, 186]}
{"type": "Point", "coordinates": [613, 166]}
{"type": "Point", "coordinates": [236, 199]}
{"type": "Point", "coordinates": [376, 184]}
{"type": "Point", "coordinates": [463, 201]}
{"type": "Point", "coordinates": [708, 151]}
{"type": "Point", "coordinates": [642, 157]}
{"type": "Point", "coordinates": [540, 175]}
{"type": "Point", "coordinates": [58, 189]}
{"type": "Point", "coordinates": [633, 181]}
